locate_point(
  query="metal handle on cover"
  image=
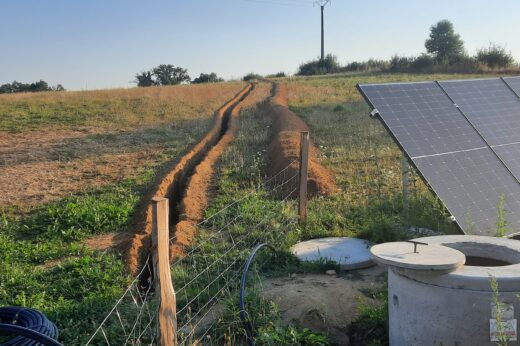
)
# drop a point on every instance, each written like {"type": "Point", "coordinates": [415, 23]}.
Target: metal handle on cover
{"type": "Point", "coordinates": [415, 243]}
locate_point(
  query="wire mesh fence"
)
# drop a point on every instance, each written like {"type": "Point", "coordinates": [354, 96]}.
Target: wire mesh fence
{"type": "Point", "coordinates": [206, 272]}
{"type": "Point", "coordinates": [132, 320]}
{"type": "Point", "coordinates": [209, 270]}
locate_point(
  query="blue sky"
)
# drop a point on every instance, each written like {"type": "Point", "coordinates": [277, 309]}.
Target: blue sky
{"type": "Point", "coordinates": [89, 44]}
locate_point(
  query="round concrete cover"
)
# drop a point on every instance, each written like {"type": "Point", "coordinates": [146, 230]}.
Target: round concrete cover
{"type": "Point", "coordinates": [429, 257]}
{"type": "Point", "coordinates": [349, 253]}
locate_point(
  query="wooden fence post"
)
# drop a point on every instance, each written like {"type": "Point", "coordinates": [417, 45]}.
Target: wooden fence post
{"type": "Point", "coordinates": [167, 318]}
{"type": "Point", "coordinates": [304, 166]}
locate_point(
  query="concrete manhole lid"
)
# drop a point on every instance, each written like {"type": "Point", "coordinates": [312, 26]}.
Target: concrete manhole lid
{"type": "Point", "coordinates": [349, 253]}
{"type": "Point", "coordinates": [421, 256]}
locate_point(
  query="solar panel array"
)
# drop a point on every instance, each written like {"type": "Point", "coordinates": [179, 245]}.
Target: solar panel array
{"type": "Point", "coordinates": [464, 138]}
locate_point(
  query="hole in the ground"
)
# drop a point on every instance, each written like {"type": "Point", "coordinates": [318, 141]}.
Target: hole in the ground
{"type": "Point", "coordinates": [476, 261]}
{"type": "Point", "coordinates": [479, 254]}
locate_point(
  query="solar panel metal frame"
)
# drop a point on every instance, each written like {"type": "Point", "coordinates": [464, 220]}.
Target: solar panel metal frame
{"type": "Point", "coordinates": [406, 153]}
{"type": "Point", "coordinates": [513, 83]}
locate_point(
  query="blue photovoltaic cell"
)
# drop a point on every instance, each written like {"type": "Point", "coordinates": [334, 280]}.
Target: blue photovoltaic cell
{"type": "Point", "coordinates": [422, 118]}
{"type": "Point", "coordinates": [491, 107]}
{"type": "Point", "coordinates": [470, 185]}
{"type": "Point", "coordinates": [494, 109]}
{"type": "Point", "coordinates": [452, 156]}
{"type": "Point", "coordinates": [514, 83]}
{"type": "Point", "coordinates": [511, 157]}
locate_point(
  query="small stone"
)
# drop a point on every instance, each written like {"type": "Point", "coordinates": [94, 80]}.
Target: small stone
{"type": "Point", "coordinates": [293, 275]}
{"type": "Point", "coordinates": [330, 272]}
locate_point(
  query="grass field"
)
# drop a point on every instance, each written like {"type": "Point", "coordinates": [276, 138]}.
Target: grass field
{"type": "Point", "coordinates": [366, 163]}
{"type": "Point", "coordinates": [76, 164]}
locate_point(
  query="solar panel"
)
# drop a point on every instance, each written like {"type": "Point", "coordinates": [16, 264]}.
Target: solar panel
{"type": "Point", "coordinates": [448, 151]}
{"type": "Point", "coordinates": [490, 106]}
{"type": "Point", "coordinates": [511, 157]}
{"type": "Point", "coordinates": [514, 83]}
{"type": "Point", "coordinates": [422, 118]}
{"type": "Point", "coordinates": [494, 109]}
{"type": "Point", "coordinates": [470, 185]}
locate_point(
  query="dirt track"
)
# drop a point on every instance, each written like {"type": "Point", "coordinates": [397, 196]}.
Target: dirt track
{"type": "Point", "coordinates": [186, 185]}
{"type": "Point", "coordinates": [285, 145]}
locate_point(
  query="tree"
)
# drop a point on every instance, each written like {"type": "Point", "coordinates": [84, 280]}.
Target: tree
{"type": "Point", "coordinates": [39, 86]}
{"type": "Point", "coordinates": [18, 87]}
{"type": "Point", "coordinates": [444, 43]}
{"type": "Point", "coordinates": [144, 79]}
{"type": "Point", "coordinates": [495, 56]}
{"type": "Point", "coordinates": [59, 87]}
{"type": "Point", "coordinates": [207, 78]}
{"type": "Point", "coordinates": [170, 75]}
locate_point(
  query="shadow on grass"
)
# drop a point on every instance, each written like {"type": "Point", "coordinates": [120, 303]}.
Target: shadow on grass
{"type": "Point", "coordinates": [95, 145]}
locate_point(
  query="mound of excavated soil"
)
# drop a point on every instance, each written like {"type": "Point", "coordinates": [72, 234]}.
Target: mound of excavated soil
{"type": "Point", "coordinates": [285, 145]}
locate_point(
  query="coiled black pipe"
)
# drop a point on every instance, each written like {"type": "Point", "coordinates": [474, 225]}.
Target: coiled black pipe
{"type": "Point", "coordinates": [28, 327]}
{"type": "Point", "coordinates": [244, 316]}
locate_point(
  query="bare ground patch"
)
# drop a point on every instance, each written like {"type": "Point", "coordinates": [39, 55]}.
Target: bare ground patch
{"type": "Point", "coordinates": [323, 303]}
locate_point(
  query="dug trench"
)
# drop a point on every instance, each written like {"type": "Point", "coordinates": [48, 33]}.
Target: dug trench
{"type": "Point", "coordinates": [284, 149]}
{"type": "Point", "coordinates": [186, 188]}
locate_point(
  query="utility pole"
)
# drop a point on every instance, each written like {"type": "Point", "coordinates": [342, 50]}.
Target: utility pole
{"type": "Point", "coordinates": [322, 4]}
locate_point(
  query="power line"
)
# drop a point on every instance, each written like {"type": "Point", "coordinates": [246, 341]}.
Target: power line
{"type": "Point", "coordinates": [283, 3]}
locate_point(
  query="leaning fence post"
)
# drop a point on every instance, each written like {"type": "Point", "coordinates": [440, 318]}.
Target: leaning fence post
{"type": "Point", "coordinates": [304, 165]}
{"type": "Point", "coordinates": [167, 315]}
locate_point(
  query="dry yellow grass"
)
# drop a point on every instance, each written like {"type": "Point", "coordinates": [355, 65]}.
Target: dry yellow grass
{"type": "Point", "coordinates": [111, 109]}
{"type": "Point", "coordinates": [65, 143]}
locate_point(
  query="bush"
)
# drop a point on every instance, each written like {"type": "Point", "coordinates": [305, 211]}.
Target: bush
{"type": "Point", "coordinates": [317, 67]}
{"type": "Point", "coordinates": [495, 56]}
{"type": "Point", "coordinates": [381, 230]}
{"type": "Point", "coordinates": [423, 63]}
{"type": "Point", "coordinates": [277, 75]}
{"type": "Point", "coordinates": [426, 63]}
{"type": "Point", "coordinates": [251, 76]}
{"type": "Point", "coordinates": [207, 78]}
{"type": "Point", "coordinates": [462, 64]}
{"type": "Point", "coordinates": [400, 63]}
{"type": "Point", "coordinates": [367, 66]}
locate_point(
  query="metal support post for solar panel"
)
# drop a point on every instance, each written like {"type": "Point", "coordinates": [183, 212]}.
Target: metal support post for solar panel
{"type": "Point", "coordinates": [405, 175]}
{"type": "Point", "coordinates": [167, 314]}
{"type": "Point", "coordinates": [303, 175]}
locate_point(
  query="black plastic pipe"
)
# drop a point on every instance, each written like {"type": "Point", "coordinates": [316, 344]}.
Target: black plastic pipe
{"type": "Point", "coordinates": [244, 316]}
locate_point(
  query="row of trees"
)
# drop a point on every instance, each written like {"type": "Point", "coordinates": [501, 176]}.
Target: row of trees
{"type": "Point", "coordinates": [167, 74]}
{"type": "Point", "coordinates": [445, 52]}
{"type": "Point", "coordinates": [18, 87]}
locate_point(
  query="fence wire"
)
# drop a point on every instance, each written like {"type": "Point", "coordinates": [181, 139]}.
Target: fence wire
{"type": "Point", "coordinates": [132, 320]}
{"type": "Point", "coordinates": [209, 271]}
{"type": "Point", "coordinates": [203, 278]}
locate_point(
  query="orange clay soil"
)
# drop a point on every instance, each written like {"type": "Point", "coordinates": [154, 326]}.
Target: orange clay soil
{"type": "Point", "coordinates": [285, 145]}
{"type": "Point", "coordinates": [187, 186]}
{"type": "Point", "coordinates": [198, 190]}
